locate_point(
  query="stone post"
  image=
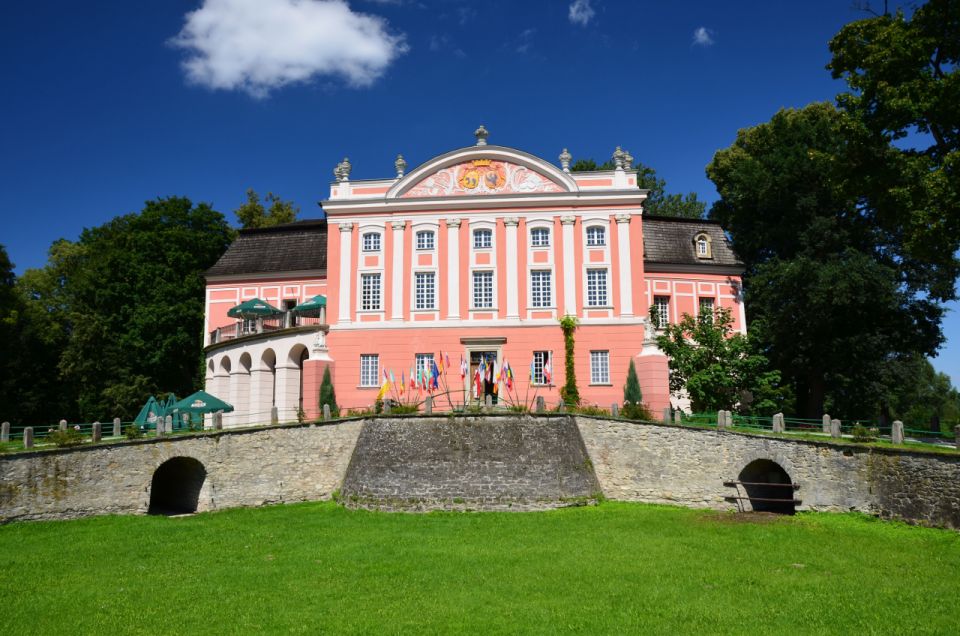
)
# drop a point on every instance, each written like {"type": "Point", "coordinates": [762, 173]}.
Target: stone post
{"type": "Point", "coordinates": [326, 411]}
{"type": "Point", "coordinates": [541, 404]}
{"type": "Point", "coordinates": [834, 428]}
{"type": "Point", "coordinates": [562, 407]}
{"type": "Point", "coordinates": [428, 405]}
{"type": "Point", "coordinates": [678, 417]}
{"type": "Point", "coordinates": [28, 437]}
{"type": "Point", "coordinates": [826, 423]}
{"type": "Point", "coordinates": [168, 424]}
{"type": "Point", "coordinates": [729, 417]}
{"type": "Point", "coordinates": [218, 421]}
{"type": "Point", "coordinates": [778, 422]}
{"type": "Point", "coordinates": [5, 432]}
{"type": "Point", "coordinates": [63, 425]}
{"type": "Point", "coordinates": [117, 427]}
{"type": "Point", "coordinates": [615, 410]}
{"type": "Point", "coordinates": [386, 407]}
{"type": "Point", "coordinates": [896, 433]}
{"type": "Point", "coordinates": [667, 415]}
{"type": "Point", "coordinates": [274, 415]}
{"type": "Point", "coordinates": [721, 419]}
{"type": "Point", "coordinates": [488, 402]}
{"type": "Point", "coordinates": [97, 432]}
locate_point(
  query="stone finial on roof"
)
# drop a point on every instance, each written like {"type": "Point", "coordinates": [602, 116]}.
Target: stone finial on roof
{"type": "Point", "coordinates": [345, 168]}
{"type": "Point", "coordinates": [627, 160]}
{"type": "Point", "coordinates": [618, 158]}
{"type": "Point", "coordinates": [481, 134]}
{"type": "Point", "coordinates": [565, 158]}
{"type": "Point", "coordinates": [401, 165]}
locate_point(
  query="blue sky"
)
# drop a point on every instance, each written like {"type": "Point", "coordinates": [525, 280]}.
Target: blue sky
{"type": "Point", "coordinates": [109, 104]}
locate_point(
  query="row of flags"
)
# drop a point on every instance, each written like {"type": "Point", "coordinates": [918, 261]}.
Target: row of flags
{"type": "Point", "coordinates": [428, 378]}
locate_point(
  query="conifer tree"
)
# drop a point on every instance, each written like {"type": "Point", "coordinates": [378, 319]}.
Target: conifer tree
{"type": "Point", "coordinates": [631, 390]}
{"type": "Point", "coordinates": [327, 394]}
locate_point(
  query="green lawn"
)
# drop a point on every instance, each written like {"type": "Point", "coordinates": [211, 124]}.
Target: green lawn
{"type": "Point", "coordinates": [615, 568]}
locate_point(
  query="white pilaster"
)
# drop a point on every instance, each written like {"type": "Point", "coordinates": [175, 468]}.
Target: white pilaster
{"type": "Point", "coordinates": [261, 396]}
{"type": "Point", "coordinates": [239, 398]}
{"type": "Point", "coordinates": [453, 269]}
{"type": "Point", "coordinates": [569, 275]}
{"type": "Point", "coordinates": [288, 391]}
{"type": "Point", "coordinates": [346, 273]}
{"type": "Point", "coordinates": [397, 273]}
{"type": "Point", "coordinates": [513, 287]}
{"type": "Point", "coordinates": [626, 274]}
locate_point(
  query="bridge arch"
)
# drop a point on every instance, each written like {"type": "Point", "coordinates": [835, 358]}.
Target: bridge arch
{"type": "Point", "coordinates": [175, 487]}
{"type": "Point", "coordinates": [768, 486]}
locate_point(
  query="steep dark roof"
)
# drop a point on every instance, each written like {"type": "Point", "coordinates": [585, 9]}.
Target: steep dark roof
{"type": "Point", "coordinates": [669, 241]}
{"type": "Point", "coordinates": [292, 247]}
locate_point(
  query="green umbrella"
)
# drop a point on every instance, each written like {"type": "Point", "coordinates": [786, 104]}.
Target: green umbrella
{"type": "Point", "coordinates": [147, 418]}
{"type": "Point", "coordinates": [201, 402]}
{"type": "Point", "coordinates": [253, 308]}
{"type": "Point", "coordinates": [314, 305]}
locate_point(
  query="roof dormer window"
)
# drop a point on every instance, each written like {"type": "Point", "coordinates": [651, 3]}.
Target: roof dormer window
{"type": "Point", "coordinates": [702, 243]}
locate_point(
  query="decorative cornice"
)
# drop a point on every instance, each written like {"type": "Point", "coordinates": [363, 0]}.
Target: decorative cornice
{"type": "Point", "coordinates": [454, 222]}
{"type": "Point", "coordinates": [622, 217]}
{"type": "Point", "coordinates": [345, 227]}
{"type": "Point", "coordinates": [398, 225]}
{"type": "Point", "coordinates": [568, 220]}
{"type": "Point", "coordinates": [511, 221]}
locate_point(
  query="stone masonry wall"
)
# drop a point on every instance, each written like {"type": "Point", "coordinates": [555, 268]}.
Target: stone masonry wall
{"type": "Point", "coordinates": [684, 466]}
{"type": "Point", "coordinates": [493, 462]}
{"type": "Point", "coordinates": [244, 468]}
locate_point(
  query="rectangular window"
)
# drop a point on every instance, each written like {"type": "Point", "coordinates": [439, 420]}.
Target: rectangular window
{"type": "Point", "coordinates": [424, 364]}
{"type": "Point", "coordinates": [482, 239]}
{"type": "Point", "coordinates": [540, 363]}
{"type": "Point", "coordinates": [425, 240]}
{"type": "Point", "coordinates": [662, 305]}
{"type": "Point", "coordinates": [483, 290]}
{"type": "Point", "coordinates": [706, 308]}
{"type": "Point", "coordinates": [371, 242]}
{"type": "Point", "coordinates": [369, 369]}
{"type": "Point", "coordinates": [599, 367]}
{"type": "Point", "coordinates": [596, 287]}
{"type": "Point", "coordinates": [369, 292]}
{"type": "Point", "coordinates": [540, 237]}
{"type": "Point", "coordinates": [596, 236]}
{"type": "Point", "coordinates": [540, 288]}
{"type": "Point", "coordinates": [424, 290]}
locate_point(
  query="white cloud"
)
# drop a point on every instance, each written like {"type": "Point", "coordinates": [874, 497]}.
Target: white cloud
{"type": "Point", "coordinates": [702, 36]}
{"type": "Point", "coordinates": [257, 46]}
{"type": "Point", "coordinates": [525, 41]}
{"type": "Point", "coordinates": [581, 12]}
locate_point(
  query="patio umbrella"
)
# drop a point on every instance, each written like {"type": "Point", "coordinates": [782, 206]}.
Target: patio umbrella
{"type": "Point", "coordinates": [312, 306]}
{"type": "Point", "coordinates": [147, 418]}
{"type": "Point", "coordinates": [202, 402]}
{"type": "Point", "coordinates": [253, 308]}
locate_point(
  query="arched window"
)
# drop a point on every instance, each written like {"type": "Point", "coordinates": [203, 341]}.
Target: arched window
{"type": "Point", "coordinates": [371, 242]}
{"type": "Point", "coordinates": [540, 237]}
{"type": "Point", "coordinates": [702, 243]}
{"type": "Point", "coordinates": [425, 240]}
{"type": "Point", "coordinates": [596, 236]}
{"type": "Point", "coordinates": [482, 239]}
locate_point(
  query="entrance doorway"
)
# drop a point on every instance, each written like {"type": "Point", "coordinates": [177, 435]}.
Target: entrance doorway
{"type": "Point", "coordinates": [481, 359]}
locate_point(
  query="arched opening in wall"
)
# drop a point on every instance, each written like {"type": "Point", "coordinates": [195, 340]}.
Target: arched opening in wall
{"type": "Point", "coordinates": [298, 354]}
{"type": "Point", "coordinates": [175, 489]}
{"type": "Point", "coordinates": [269, 364]}
{"type": "Point", "coordinates": [769, 487]}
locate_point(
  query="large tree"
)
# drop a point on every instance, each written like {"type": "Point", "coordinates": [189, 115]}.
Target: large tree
{"type": "Point", "coordinates": [658, 202]}
{"type": "Point", "coordinates": [252, 213]}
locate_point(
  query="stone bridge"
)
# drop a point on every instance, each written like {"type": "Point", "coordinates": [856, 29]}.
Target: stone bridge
{"type": "Point", "coordinates": [479, 463]}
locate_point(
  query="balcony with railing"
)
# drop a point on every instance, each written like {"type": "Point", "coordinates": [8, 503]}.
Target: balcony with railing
{"type": "Point", "coordinates": [265, 326]}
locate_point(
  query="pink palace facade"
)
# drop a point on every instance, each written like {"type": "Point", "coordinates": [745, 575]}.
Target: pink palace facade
{"type": "Point", "coordinates": [477, 254]}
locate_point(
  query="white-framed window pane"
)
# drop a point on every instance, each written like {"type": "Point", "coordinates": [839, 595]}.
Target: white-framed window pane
{"type": "Point", "coordinates": [425, 240]}
{"type": "Point", "coordinates": [662, 304]}
{"type": "Point", "coordinates": [369, 291]}
{"type": "Point", "coordinates": [596, 287]}
{"type": "Point", "coordinates": [600, 367]}
{"type": "Point", "coordinates": [706, 307]}
{"type": "Point", "coordinates": [369, 369]}
{"type": "Point", "coordinates": [424, 290]}
{"type": "Point", "coordinates": [483, 290]}
{"type": "Point", "coordinates": [540, 359]}
{"type": "Point", "coordinates": [596, 236]}
{"type": "Point", "coordinates": [482, 239]}
{"type": "Point", "coordinates": [540, 288]}
{"type": "Point", "coordinates": [540, 237]}
{"type": "Point", "coordinates": [371, 242]}
{"type": "Point", "coordinates": [702, 247]}
{"type": "Point", "coordinates": [423, 363]}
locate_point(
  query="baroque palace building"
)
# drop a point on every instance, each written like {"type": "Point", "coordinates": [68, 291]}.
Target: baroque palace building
{"type": "Point", "coordinates": [474, 255]}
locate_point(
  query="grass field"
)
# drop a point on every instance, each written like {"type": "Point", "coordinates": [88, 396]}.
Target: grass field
{"type": "Point", "coordinates": [615, 568]}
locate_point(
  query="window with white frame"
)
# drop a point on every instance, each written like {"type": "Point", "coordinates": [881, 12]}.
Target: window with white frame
{"type": "Point", "coordinates": [540, 237]}
{"type": "Point", "coordinates": [425, 240]}
{"type": "Point", "coordinates": [424, 363]}
{"type": "Point", "coordinates": [369, 369]}
{"type": "Point", "coordinates": [483, 290]}
{"type": "Point", "coordinates": [599, 367]}
{"type": "Point", "coordinates": [369, 292]}
{"type": "Point", "coordinates": [661, 305]}
{"type": "Point", "coordinates": [540, 360]}
{"type": "Point", "coordinates": [424, 290]}
{"type": "Point", "coordinates": [702, 241]}
{"type": "Point", "coordinates": [706, 308]}
{"type": "Point", "coordinates": [596, 287]}
{"type": "Point", "coordinates": [540, 288]}
{"type": "Point", "coordinates": [371, 242]}
{"type": "Point", "coordinates": [596, 236]}
{"type": "Point", "coordinates": [482, 239]}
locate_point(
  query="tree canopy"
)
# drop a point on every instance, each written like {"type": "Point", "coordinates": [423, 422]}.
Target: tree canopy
{"type": "Point", "coordinates": [253, 214]}
{"type": "Point", "coordinates": [658, 201]}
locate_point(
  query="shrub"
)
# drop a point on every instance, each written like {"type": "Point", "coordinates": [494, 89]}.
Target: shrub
{"type": "Point", "coordinates": [133, 431]}
{"type": "Point", "coordinates": [67, 437]}
{"type": "Point", "coordinates": [863, 434]}
{"type": "Point", "coordinates": [328, 395]}
{"type": "Point", "coordinates": [592, 409]}
{"type": "Point", "coordinates": [403, 409]}
{"type": "Point", "coordinates": [636, 411]}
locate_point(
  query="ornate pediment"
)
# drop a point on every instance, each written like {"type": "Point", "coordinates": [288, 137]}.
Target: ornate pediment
{"type": "Point", "coordinates": [483, 176]}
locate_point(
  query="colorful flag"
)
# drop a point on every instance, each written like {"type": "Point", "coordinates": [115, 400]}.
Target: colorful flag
{"type": "Point", "coordinates": [478, 383]}
{"type": "Point", "coordinates": [446, 361]}
{"type": "Point", "coordinates": [463, 368]}
{"type": "Point", "coordinates": [403, 382]}
{"type": "Point", "coordinates": [547, 371]}
{"type": "Point", "coordinates": [384, 387]}
{"type": "Point", "coordinates": [441, 362]}
{"type": "Point", "coordinates": [434, 377]}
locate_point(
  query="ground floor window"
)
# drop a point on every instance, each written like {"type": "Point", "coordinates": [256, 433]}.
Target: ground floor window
{"type": "Point", "coordinates": [599, 367]}
{"type": "Point", "coordinates": [540, 368]}
{"type": "Point", "coordinates": [369, 369]}
{"type": "Point", "coordinates": [424, 364]}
